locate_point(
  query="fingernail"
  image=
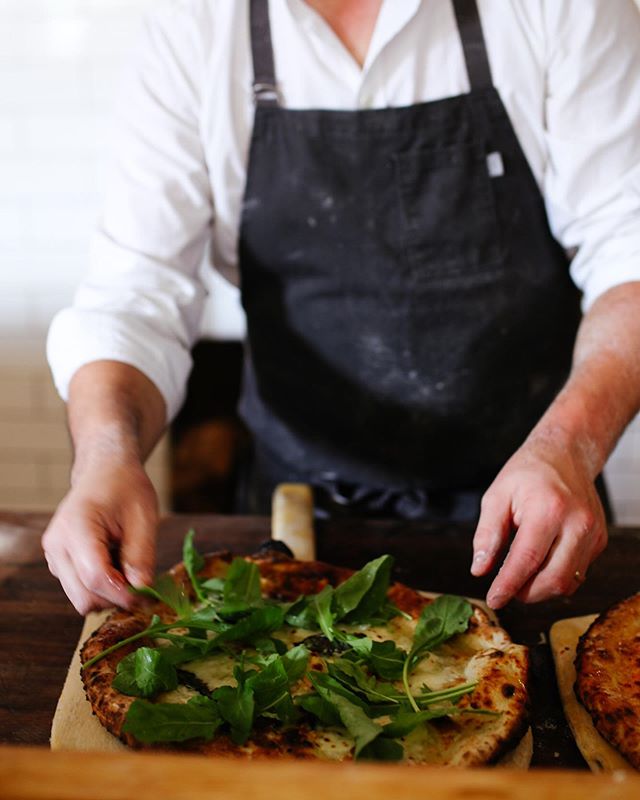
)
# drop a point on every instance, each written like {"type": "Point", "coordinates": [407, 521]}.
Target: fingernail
{"type": "Point", "coordinates": [496, 600]}
{"type": "Point", "coordinates": [136, 577]}
{"type": "Point", "coordinates": [117, 581]}
{"type": "Point", "coordinates": [479, 559]}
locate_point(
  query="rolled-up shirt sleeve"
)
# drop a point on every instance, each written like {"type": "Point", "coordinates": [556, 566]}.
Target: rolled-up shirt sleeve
{"type": "Point", "coordinates": [142, 299]}
{"type": "Point", "coordinates": [592, 180]}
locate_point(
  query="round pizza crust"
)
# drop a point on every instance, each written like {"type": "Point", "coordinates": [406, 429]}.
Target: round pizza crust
{"type": "Point", "coordinates": [608, 676]}
{"type": "Point", "coordinates": [485, 652]}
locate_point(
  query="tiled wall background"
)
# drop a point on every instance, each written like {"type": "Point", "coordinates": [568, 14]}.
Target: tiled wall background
{"type": "Point", "coordinates": [60, 62]}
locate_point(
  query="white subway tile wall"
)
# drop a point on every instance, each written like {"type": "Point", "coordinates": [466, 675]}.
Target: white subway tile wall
{"type": "Point", "coordinates": [60, 62]}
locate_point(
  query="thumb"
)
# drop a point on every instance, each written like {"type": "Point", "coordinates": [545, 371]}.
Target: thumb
{"type": "Point", "coordinates": [138, 545]}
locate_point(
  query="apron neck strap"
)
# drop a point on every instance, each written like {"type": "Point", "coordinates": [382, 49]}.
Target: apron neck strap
{"type": "Point", "coordinates": [265, 88]}
{"type": "Point", "coordinates": [473, 44]}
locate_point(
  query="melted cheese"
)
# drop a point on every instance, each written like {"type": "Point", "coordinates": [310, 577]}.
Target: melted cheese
{"type": "Point", "coordinates": [448, 667]}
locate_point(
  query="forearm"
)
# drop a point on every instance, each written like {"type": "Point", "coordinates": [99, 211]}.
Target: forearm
{"type": "Point", "coordinates": [115, 412]}
{"type": "Point", "coordinates": [602, 394]}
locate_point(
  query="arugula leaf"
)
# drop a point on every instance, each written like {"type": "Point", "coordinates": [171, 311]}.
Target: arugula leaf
{"type": "Point", "coordinates": [362, 595]}
{"type": "Point", "coordinates": [446, 616]}
{"type": "Point", "coordinates": [321, 607]}
{"type": "Point", "coordinates": [236, 705]}
{"type": "Point", "coordinates": [404, 722]}
{"type": "Point", "coordinates": [271, 691]}
{"type": "Point", "coordinates": [295, 662]}
{"type": "Point", "coordinates": [145, 672]}
{"type": "Point", "coordinates": [382, 749]}
{"type": "Point", "coordinates": [167, 591]}
{"type": "Point", "coordinates": [213, 585]}
{"type": "Point", "coordinates": [354, 719]}
{"type": "Point", "coordinates": [302, 614]}
{"type": "Point", "coordinates": [439, 621]}
{"type": "Point", "coordinates": [267, 645]}
{"type": "Point", "coordinates": [193, 563]}
{"type": "Point", "coordinates": [321, 681]}
{"type": "Point", "coordinates": [178, 653]}
{"type": "Point", "coordinates": [172, 722]}
{"type": "Point", "coordinates": [351, 675]}
{"type": "Point", "coordinates": [384, 658]}
{"type": "Point", "coordinates": [320, 708]}
{"type": "Point", "coordinates": [260, 621]}
{"type": "Point", "coordinates": [241, 588]}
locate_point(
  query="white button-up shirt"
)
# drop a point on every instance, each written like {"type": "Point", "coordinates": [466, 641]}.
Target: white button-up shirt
{"type": "Point", "coordinates": [568, 72]}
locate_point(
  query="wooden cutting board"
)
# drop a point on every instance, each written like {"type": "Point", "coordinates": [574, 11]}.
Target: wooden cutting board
{"type": "Point", "coordinates": [597, 752]}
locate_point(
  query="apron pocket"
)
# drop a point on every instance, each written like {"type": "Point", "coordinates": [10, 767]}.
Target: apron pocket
{"type": "Point", "coordinates": [451, 232]}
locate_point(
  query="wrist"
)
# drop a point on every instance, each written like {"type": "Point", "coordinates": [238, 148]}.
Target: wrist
{"type": "Point", "coordinates": [111, 444]}
{"type": "Point", "coordinates": [569, 429]}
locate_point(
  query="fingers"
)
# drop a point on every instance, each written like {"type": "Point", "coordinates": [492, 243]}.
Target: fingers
{"type": "Point", "coordinates": [137, 550]}
{"type": "Point", "coordinates": [77, 554]}
{"type": "Point", "coordinates": [583, 539]}
{"type": "Point", "coordinates": [89, 553]}
{"type": "Point", "coordinates": [83, 601]}
{"type": "Point", "coordinates": [525, 557]}
{"type": "Point", "coordinates": [491, 533]}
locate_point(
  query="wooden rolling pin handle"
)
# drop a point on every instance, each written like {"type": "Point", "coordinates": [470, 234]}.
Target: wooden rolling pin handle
{"type": "Point", "coordinates": [292, 519]}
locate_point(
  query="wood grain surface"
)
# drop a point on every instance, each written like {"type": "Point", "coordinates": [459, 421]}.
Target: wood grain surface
{"type": "Point", "coordinates": [39, 629]}
{"type": "Point", "coordinates": [28, 774]}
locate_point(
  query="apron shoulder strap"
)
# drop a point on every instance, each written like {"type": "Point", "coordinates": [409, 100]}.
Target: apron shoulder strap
{"type": "Point", "coordinates": [473, 44]}
{"type": "Point", "coordinates": [265, 88]}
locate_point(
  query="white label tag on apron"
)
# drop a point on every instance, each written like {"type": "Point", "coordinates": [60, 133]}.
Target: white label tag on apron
{"type": "Point", "coordinates": [495, 164]}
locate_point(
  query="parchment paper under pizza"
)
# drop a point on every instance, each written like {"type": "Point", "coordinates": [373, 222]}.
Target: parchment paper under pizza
{"type": "Point", "coordinates": [268, 656]}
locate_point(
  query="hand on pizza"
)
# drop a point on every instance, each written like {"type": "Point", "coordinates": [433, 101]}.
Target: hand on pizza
{"type": "Point", "coordinates": [268, 656]}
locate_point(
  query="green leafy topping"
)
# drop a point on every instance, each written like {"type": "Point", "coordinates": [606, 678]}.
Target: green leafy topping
{"type": "Point", "coordinates": [440, 620]}
{"type": "Point", "coordinates": [241, 588]}
{"type": "Point", "coordinates": [354, 690]}
{"type": "Point", "coordinates": [167, 591]}
{"type": "Point", "coordinates": [354, 677]}
{"type": "Point", "coordinates": [236, 705]}
{"type": "Point", "coordinates": [384, 658]}
{"type": "Point", "coordinates": [362, 595]}
{"type": "Point", "coordinates": [144, 673]}
{"type": "Point", "coordinates": [259, 622]}
{"type": "Point", "coordinates": [199, 718]}
{"type": "Point", "coordinates": [193, 563]}
{"type": "Point", "coordinates": [363, 729]}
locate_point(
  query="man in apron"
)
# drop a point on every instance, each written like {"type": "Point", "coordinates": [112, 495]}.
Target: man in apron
{"type": "Point", "coordinates": [411, 321]}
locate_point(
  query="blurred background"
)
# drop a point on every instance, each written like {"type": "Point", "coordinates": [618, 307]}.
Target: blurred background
{"type": "Point", "coordinates": [60, 68]}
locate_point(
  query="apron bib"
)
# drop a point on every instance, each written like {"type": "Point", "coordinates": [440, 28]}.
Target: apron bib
{"type": "Point", "coordinates": [410, 316]}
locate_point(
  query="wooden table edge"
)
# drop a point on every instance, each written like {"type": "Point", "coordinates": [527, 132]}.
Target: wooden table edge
{"type": "Point", "coordinates": [39, 774]}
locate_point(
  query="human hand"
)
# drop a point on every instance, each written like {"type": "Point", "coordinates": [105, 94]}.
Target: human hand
{"type": "Point", "coordinates": [111, 506]}
{"type": "Point", "coordinates": [546, 494]}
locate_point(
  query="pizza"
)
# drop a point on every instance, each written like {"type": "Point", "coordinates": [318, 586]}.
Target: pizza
{"type": "Point", "coordinates": [266, 656]}
{"type": "Point", "coordinates": [608, 676]}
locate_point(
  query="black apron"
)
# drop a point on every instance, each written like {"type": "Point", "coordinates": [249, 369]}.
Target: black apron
{"type": "Point", "coordinates": [410, 316]}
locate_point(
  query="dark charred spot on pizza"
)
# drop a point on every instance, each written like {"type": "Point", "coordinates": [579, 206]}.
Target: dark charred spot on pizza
{"type": "Point", "coordinates": [508, 690]}
{"type": "Point", "coordinates": [320, 645]}
{"type": "Point", "coordinates": [445, 725]}
{"type": "Point", "coordinates": [272, 547]}
{"type": "Point", "coordinates": [191, 681]}
{"type": "Point", "coordinates": [496, 654]}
